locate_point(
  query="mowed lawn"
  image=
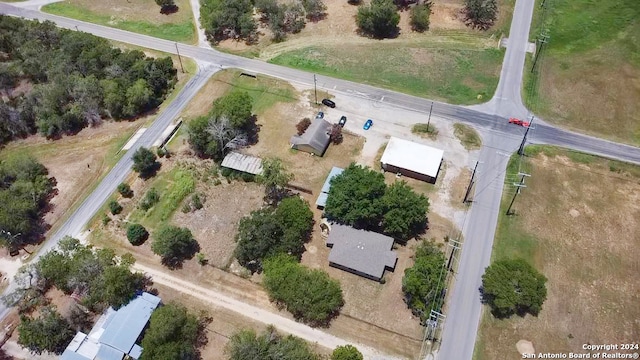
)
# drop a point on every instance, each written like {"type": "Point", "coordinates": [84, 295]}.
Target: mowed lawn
{"type": "Point", "coordinates": [141, 16]}
{"type": "Point", "coordinates": [583, 237]}
{"type": "Point", "coordinates": [459, 76]}
{"type": "Point", "coordinates": [590, 69]}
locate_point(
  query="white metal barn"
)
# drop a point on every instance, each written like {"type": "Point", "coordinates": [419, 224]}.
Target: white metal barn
{"type": "Point", "coordinates": [411, 159]}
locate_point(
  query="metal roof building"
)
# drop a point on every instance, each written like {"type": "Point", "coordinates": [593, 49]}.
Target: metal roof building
{"type": "Point", "coordinates": [315, 139]}
{"type": "Point", "coordinates": [361, 252]}
{"type": "Point", "coordinates": [115, 333]}
{"type": "Point", "coordinates": [324, 193]}
{"type": "Point", "coordinates": [412, 159]}
{"type": "Point", "coordinates": [241, 162]}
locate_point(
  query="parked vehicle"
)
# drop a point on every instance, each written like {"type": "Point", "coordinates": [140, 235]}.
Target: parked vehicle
{"type": "Point", "coordinates": [329, 103]}
{"type": "Point", "coordinates": [319, 115]}
{"type": "Point", "coordinates": [368, 124]}
{"type": "Point", "coordinates": [343, 120]}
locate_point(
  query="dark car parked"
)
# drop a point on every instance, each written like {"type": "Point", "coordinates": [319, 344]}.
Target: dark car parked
{"type": "Point", "coordinates": [329, 103]}
{"type": "Point", "coordinates": [320, 115]}
{"type": "Point", "coordinates": [343, 120]}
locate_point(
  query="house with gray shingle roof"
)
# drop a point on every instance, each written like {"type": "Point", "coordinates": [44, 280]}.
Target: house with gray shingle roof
{"type": "Point", "coordinates": [361, 252]}
{"type": "Point", "coordinates": [315, 139]}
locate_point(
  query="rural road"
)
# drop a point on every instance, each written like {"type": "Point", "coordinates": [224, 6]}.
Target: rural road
{"type": "Point", "coordinates": [490, 118]}
{"type": "Point", "coordinates": [282, 323]}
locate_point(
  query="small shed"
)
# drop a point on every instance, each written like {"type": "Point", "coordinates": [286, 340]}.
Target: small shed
{"type": "Point", "coordinates": [241, 162]}
{"type": "Point", "coordinates": [364, 253]}
{"type": "Point", "coordinates": [324, 193]}
{"type": "Point", "coordinates": [411, 159]}
{"type": "Point", "coordinates": [315, 139]}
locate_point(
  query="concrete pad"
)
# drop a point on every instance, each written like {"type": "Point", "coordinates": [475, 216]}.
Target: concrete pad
{"type": "Point", "coordinates": [133, 139]}
{"type": "Point", "coordinates": [531, 47]}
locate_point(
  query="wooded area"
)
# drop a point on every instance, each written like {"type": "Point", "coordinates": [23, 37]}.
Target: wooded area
{"type": "Point", "coordinates": [55, 81]}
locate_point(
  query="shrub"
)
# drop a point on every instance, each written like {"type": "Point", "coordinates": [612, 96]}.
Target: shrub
{"type": "Point", "coordinates": [115, 207]}
{"type": "Point", "coordinates": [420, 17]}
{"type": "Point", "coordinates": [196, 202]}
{"type": "Point", "coordinates": [380, 19]}
{"type": "Point", "coordinates": [151, 198]}
{"type": "Point", "coordinates": [137, 234]}
{"type": "Point", "coordinates": [105, 219]}
{"type": "Point", "coordinates": [335, 134]}
{"type": "Point", "coordinates": [303, 125]}
{"type": "Point", "coordinates": [125, 190]}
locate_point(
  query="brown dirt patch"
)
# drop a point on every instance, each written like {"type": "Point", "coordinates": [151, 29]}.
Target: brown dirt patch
{"type": "Point", "coordinates": [585, 244]}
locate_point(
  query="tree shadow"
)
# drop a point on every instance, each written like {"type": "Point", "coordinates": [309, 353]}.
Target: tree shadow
{"type": "Point", "coordinates": [177, 261]}
{"type": "Point", "coordinates": [252, 129]}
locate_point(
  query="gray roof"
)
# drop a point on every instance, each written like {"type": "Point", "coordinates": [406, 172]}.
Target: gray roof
{"type": "Point", "coordinates": [316, 135]}
{"type": "Point", "coordinates": [241, 162]}
{"type": "Point", "coordinates": [115, 332]}
{"type": "Point", "coordinates": [324, 193]}
{"type": "Point", "coordinates": [363, 251]}
{"type": "Point", "coordinates": [126, 325]}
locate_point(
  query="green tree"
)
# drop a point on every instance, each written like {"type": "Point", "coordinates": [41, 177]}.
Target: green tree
{"type": "Point", "coordinates": [173, 334]}
{"type": "Point", "coordinates": [166, 4]}
{"type": "Point", "coordinates": [174, 245]}
{"type": "Point", "coordinates": [137, 234]}
{"type": "Point", "coordinates": [257, 237]}
{"type": "Point", "coordinates": [125, 190]}
{"type": "Point", "coordinates": [274, 177]}
{"type": "Point", "coordinates": [420, 17]}
{"type": "Point", "coordinates": [481, 13]}
{"type": "Point", "coordinates": [405, 211]}
{"type": "Point", "coordinates": [315, 9]}
{"type": "Point", "coordinates": [139, 98]}
{"type": "Point", "coordinates": [423, 283]}
{"type": "Point", "coordinates": [144, 163]}
{"type": "Point", "coordinates": [49, 332]}
{"type": "Point", "coordinates": [346, 352]}
{"type": "Point", "coordinates": [150, 199]}
{"type": "Point", "coordinates": [296, 219]}
{"type": "Point", "coordinates": [236, 106]}
{"type": "Point", "coordinates": [117, 286]}
{"type": "Point", "coordinates": [115, 207]}
{"type": "Point", "coordinates": [228, 19]}
{"type": "Point", "coordinates": [355, 197]}
{"type": "Point", "coordinates": [310, 295]}
{"type": "Point", "coordinates": [513, 286]}
{"type": "Point", "coordinates": [380, 19]}
{"type": "Point", "coordinates": [247, 345]}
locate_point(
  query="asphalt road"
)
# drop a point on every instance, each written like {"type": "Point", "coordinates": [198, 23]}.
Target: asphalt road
{"type": "Point", "coordinates": [491, 118]}
{"type": "Point", "coordinates": [74, 225]}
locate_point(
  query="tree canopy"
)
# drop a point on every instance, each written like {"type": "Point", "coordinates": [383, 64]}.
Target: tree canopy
{"type": "Point", "coordinates": [48, 332]}
{"type": "Point", "coordinates": [173, 334]}
{"type": "Point", "coordinates": [270, 231]}
{"type": "Point", "coordinates": [228, 19]}
{"type": "Point", "coordinates": [481, 13]}
{"type": "Point", "coordinates": [228, 125]}
{"type": "Point", "coordinates": [513, 286]}
{"type": "Point", "coordinates": [423, 283]}
{"type": "Point", "coordinates": [310, 295]}
{"type": "Point", "coordinates": [274, 177]}
{"type": "Point", "coordinates": [137, 234]}
{"type": "Point", "coordinates": [379, 19]}
{"type": "Point", "coordinates": [174, 245]}
{"type": "Point", "coordinates": [76, 80]}
{"type": "Point", "coordinates": [25, 191]}
{"type": "Point", "coordinates": [247, 345]}
{"type": "Point", "coordinates": [420, 17]}
{"type": "Point", "coordinates": [346, 352]}
{"type": "Point", "coordinates": [144, 163]}
{"type": "Point", "coordinates": [95, 274]}
{"type": "Point", "coordinates": [359, 197]}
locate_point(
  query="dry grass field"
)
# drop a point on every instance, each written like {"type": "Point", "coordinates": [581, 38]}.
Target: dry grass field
{"type": "Point", "coordinates": [141, 16]}
{"type": "Point", "coordinates": [578, 223]}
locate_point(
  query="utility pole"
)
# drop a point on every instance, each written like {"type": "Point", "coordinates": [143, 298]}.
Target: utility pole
{"type": "Point", "coordinates": [77, 28]}
{"type": "Point", "coordinates": [315, 87]}
{"type": "Point", "coordinates": [455, 246]}
{"type": "Point", "coordinates": [518, 188]}
{"type": "Point", "coordinates": [179, 58]}
{"type": "Point", "coordinates": [524, 139]}
{"type": "Point", "coordinates": [541, 40]}
{"type": "Point", "coordinates": [429, 121]}
{"type": "Point", "coordinates": [473, 175]}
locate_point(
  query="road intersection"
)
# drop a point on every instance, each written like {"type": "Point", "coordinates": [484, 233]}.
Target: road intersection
{"type": "Point", "coordinates": [490, 118]}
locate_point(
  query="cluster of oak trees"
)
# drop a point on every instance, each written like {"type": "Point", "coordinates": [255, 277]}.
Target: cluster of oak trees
{"type": "Point", "coordinates": [56, 81]}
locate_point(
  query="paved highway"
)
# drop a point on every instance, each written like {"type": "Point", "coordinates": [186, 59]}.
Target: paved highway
{"type": "Point", "coordinates": [499, 138]}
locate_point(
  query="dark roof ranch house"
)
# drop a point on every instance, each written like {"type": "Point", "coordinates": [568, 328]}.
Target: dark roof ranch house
{"type": "Point", "coordinates": [315, 139]}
